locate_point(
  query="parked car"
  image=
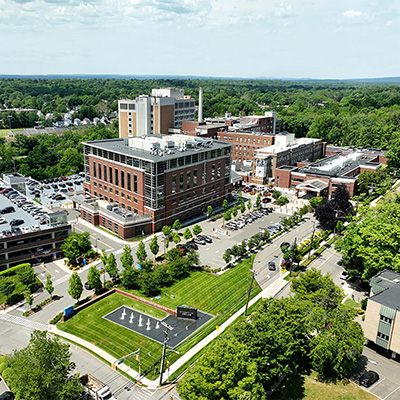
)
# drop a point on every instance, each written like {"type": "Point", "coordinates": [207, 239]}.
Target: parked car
{"type": "Point", "coordinates": [87, 286]}
{"type": "Point", "coordinates": [344, 275]}
{"type": "Point", "coordinates": [199, 240]}
{"type": "Point", "coordinates": [368, 378]}
{"type": "Point", "coordinates": [206, 238]}
{"type": "Point", "coordinates": [7, 210]}
{"type": "Point", "coordinates": [272, 266]}
{"type": "Point", "coordinates": [183, 249]}
{"type": "Point", "coordinates": [191, 245]}
{"type": "Point", "coordinates": [17, 222]}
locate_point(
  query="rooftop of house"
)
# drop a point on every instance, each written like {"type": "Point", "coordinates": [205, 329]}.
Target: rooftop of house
{"type": "Point", "coordinates": [385, 287]}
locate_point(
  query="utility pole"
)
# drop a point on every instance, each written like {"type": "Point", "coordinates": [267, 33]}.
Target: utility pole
{"type": "Point", "coordinates": [312, 239]}
{"type": "Point", "coordinates": [248, 294]}
{"type": "Point", "coordinates": [168, 328]}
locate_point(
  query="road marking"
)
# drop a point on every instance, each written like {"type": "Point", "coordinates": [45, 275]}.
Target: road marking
{"type": "Point", "coordinates": [57, 271]}
{"type": "Point", "coordinates": [23, 321]}
{"type": "Point", "coordinates": [398, 387]}
{"type": "Point", "coordinates": [61, 280]}
{"type": "Point", "coordinates": [372, 362]}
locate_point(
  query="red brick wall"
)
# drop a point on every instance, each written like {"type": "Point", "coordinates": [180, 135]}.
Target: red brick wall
{"type": "Point", "coordinates": [284, 178]}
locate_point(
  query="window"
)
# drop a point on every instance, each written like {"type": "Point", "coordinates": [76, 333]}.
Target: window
{"type": "Point", "coordinates": [195, 178]}
{"type": "Point", "coordinates": [94, 170]}
{"type": "Point", "coordinates": [116, 177]}
{"type": "Point", "coordinates": [181, 181]}
{"type": "Point", "coordinates": [173, 184]}
{"type": "Point", "coordinates": [188, 175]}
{"type": "Point", "coordinates": [103, 221]}
{"type": "Point", "coordinates": [109, 225]}
{"type": "Point", "coordinates": [111, 190]}
{"type": "Point", "coordinates": [123, 179]}
{"type": "Point", "coordinates": [100, 186]}
{"type": "Point", "coordinates": [385, 319]}
{"type": "Point", "coordinates": [117, 192]}
{"type": "Point", "coordinates": [95, 184]}
{"type": "Point", "coordinates": [128, 181]}
{"type": "Point", "coordinates": [122, 195]}
{"type": "Point", "coordinates": [128, 197]}
{"type": "Point", "coordinates": [174, 201]}
{"type": "Point", "coordinates": [135, 183]}
{"type": "Point", "coordinates": [99, 171]}
{"type": "Point", "coordinates": [129, 208]}
{"type": "Point", "coordinates": [383, 336]}
{"type": "Point", "coordinates": [110, 174]}
{"type": "Point", "coordinates": [135, 200]}
{"type": "Point", "coordinates": [105, 172]}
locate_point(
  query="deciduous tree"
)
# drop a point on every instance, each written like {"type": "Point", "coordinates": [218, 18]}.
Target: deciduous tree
{"type": "Point", "coordinates": [75, 286]}
{"type": "Point", "coordinates": [49, 285]}
{"type": "Point", "coordinates": [94, 278]}
{"type": "Point", "coordinates": [141, 253]}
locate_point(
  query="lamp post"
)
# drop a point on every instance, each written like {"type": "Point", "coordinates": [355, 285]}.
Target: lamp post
{"type": "Point", "coordinates": [167, 329]}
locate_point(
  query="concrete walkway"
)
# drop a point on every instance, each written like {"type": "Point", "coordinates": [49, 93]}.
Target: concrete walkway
{"type": "Point", "coordinates": [271, 291]}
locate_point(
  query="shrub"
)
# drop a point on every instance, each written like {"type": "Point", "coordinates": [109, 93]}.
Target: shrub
{"type": "Point", "coordinates": [56, 318]}
{"type": "Point", "coordinates": [364, 304]}
{"type": "Point", "coordinates": [13, 270]}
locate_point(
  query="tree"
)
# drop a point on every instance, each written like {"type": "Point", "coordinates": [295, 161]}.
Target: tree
{"type": "Point", "coordinates": [282, 200]}
{"type": "Point", "coordinates": [130, 278]}
{"type": "Point", "coordinates": [177, 225]}
{"type": "Point", "coordinates": [225, 205]}
{"type": "Point", "coordinates": [258, 200]}
{"type": "Point", "coordinates": [141, 254]}
{"type": "Point", "coordinates": [209, 211]}
{"type": "Point", "coordinates": [153, 245]}
{"type": "Point", "coordinates": [7, 286]}
{"type": "Point", "coordinates": [227, 215]}
{"type": "Point", "coordinates": [148, 284]}
{"type": "Point", "coordinates": [75, 286]}
{"type": "Point", "coordinates": [235, 210]}
{"type": "Point", "coordinates": [249, 204]}
{"type": "Point", "coordinates": [42, 370]}
{"type": "Point", "coordinates": [243, 207]}
{"type": "Point", "coordinates": [94, 278]}
{"type": "Point", "coordinates": [187, 234]}
{"type": "Point", "coordinates": [315, 202]}
{"type": "Point", "coordinates": [126, 258]}
{"type": "Point", "coordinates": [111, 266]}
{"type": "Point", "coordinates": [192, 258]}
{"type": "Point", "coordinates": [197, 230]}
{"type": "Point", "coordinates": [26, 275]}
{"type": "Point", "coordinates": [320, 289]}
{"type": "Point", "coordinates": [49, 286]}
{"type": "Point", "coordinates": [75, 246]}
{"type": "Point", "coordinates": [176, 238]}
{"type": "Point", "coordinates": [167, 231]}
{"type": "Point", "coordinates": [276, 194]}
{"type": "Point", "coordinates": [227, 256]}
{"type": "Point", "coordinates": [29, 299]}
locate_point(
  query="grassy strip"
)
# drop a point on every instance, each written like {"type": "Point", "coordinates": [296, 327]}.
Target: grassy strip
{"type": "Point", "coordinates": [308, 387]}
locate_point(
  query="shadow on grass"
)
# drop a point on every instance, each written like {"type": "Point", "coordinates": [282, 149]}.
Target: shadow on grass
{"type": "Point", "coordinates": [292, 388]}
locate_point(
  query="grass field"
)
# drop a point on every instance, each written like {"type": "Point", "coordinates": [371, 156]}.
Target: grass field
{"type": "Point", "coordinates": [5, 132]}
{"type": "Point", "coordinates": [217, 295]}
{"type": "Point", "coordinates": [307, 387]}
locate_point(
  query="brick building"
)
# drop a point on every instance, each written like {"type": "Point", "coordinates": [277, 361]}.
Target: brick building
{"type": "Point", "coordinates": [322, 177]}
{"type": "Point", "coordinates": [138, 185]}
{"type": "Point", "coordinates": [166, 108]}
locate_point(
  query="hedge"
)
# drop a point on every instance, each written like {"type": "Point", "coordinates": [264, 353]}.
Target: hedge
{"type": "Point", "coordinates": [13, 270]}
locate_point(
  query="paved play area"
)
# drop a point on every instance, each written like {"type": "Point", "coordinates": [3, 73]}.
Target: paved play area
{"type": "Point", "coordinates": [151, 327]}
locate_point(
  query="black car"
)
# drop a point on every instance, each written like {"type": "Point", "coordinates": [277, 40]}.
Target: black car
{"type": "Point", "coordinates": [368, 378]}
{"type": "Point", "coordinates": [272, 266]}
{"type": "Point", "coordinates": [17, 222]}
{"type": "Point", "coordinates": [87, 286]}
{"type": "Point", "coordinates": [7, 210]}
{"type": "Point", "coordinates": [191, 246]}
{"type": "Point", "coordinates": [7, 396]}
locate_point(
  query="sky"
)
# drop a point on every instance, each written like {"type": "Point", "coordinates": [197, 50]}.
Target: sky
{"type": "Point", "coordinates": [335, 39]}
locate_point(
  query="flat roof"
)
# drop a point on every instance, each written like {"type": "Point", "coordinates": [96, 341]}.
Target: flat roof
{"type": "Point", "coordinates": [365, 150]}
{"type": "Point", "coordinates": [338, 164]}
{"type": "Point", "coordinates": [389, 297]}
{"type": "Point", "coordinates": [121, 146]}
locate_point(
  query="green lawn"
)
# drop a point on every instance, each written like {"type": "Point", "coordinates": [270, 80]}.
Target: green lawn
{"type": "Point", "coordinates": [209, 293]}
{"type": "Point", "coordinates": [217, 295]}
{"type": "Point", "coordinates": [307, 387]}
{"type": "Point", "coordinates": [118, 341]}
{"type": "Point", "coordinates": [5, 132]}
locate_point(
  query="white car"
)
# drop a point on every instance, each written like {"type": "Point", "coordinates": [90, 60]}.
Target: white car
{"type": "Point", "coordinates": [344, 275]}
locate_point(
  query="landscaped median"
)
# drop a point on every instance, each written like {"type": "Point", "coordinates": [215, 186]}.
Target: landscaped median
{"type": "Point", "coordinates": [219, 296]}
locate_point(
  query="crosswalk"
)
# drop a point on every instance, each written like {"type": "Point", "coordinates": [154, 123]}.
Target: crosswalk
{"type": "Point", "coordinates": [23, 321]}
{"type": "Point", "coordinates": [61, 280]}
{"type": "Point", "coordinates": [132, 391]}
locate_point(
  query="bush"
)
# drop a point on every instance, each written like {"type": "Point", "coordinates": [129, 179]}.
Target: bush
{"type": "Point", "coordinates": [56, 318]}
{"type": "Point", "coordinates": [364, 304]}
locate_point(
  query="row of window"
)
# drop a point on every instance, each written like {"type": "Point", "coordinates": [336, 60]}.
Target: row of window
{"type": "Point", "coordinates": [116, 192]}
{"type": "Point", "coordinates": [247, 140]}
{"type": "Point", "coordinates": [115, 177]}
{"type": "Point", "coordinates": [195, 194]}
{"type": "Point", "coordinates": [383, 336]}
{"type": "Point", "coordinates": [385, 319]}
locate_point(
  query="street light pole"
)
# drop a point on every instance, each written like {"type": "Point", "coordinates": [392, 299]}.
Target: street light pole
{"type": "Point", "coordinates": [248, 294]}
{"type": "Point", "coordinates": [167, 328]}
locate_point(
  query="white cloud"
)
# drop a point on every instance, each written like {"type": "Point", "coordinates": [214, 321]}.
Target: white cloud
{"type": "Point", "coordinates": [352, 14]}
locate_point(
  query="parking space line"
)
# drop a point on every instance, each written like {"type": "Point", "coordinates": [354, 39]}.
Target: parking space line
{"type": "Point", "coordinates": [398, 387]}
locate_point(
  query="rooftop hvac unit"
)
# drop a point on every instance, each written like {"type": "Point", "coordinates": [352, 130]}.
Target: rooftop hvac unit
{"type": "Point", "coordinates": [129, 214]}
{"type": "Point", "coordinates": [115, 209]}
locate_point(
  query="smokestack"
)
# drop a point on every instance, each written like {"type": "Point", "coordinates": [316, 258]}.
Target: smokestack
{"type": "Point", "coordinates": [200, 110]}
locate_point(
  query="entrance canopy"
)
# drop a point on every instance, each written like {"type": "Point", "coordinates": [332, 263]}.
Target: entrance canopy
{"type": "Point", "coordinates": [314, 185]}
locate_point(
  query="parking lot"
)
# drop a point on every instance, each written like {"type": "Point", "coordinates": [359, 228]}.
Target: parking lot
{"type": "Point", "coordinates": [47, 190]}
{"type": "Point", "coordinates": [211, 254]}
